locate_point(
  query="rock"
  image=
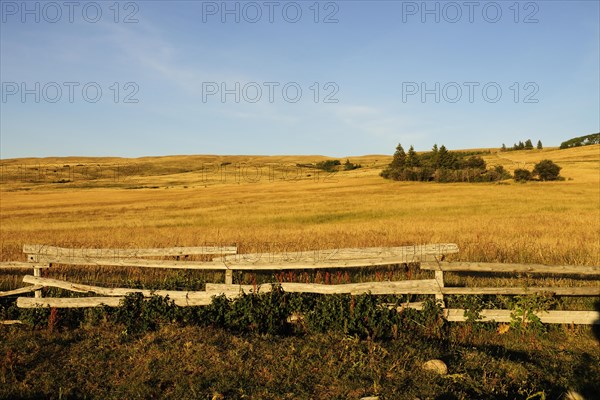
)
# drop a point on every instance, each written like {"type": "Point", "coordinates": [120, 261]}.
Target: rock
{"type": "Point", "coordinates": [437, 366]}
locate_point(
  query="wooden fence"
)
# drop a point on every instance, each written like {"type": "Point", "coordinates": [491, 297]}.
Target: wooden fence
{"type": "Point", "coordinates": [428, 257]}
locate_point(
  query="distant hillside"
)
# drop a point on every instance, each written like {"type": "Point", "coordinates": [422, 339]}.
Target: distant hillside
{"type": "Point", "coordinates": [594, 138]}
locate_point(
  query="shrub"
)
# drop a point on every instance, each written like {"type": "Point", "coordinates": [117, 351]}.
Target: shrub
{"type": "Point", "coordinates": [348, 166]}
{"type": "Point", "coordinates": [328, 165]}
{"type": "Point", "coordinates": [475, 162]}
{"type": "Point", "coordinates": [522, 175]}
{"type": "Point", "coordinates": [547, 170]}
{"type": "Point", "coordinates": [139, 315]}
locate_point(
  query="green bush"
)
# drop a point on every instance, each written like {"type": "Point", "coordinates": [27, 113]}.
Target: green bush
{"type": "Point", "coordinates": [328, 165]}
{"type": "Point", "coordinates": [140, 315]}
{"type": "Point", "coordinates": [547, 170]}
{"type": "Point", "coordinates": [522, 175]}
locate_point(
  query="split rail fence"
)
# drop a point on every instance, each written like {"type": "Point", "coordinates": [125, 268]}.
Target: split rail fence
{"type": "Point", "coordinates": [428, 257]}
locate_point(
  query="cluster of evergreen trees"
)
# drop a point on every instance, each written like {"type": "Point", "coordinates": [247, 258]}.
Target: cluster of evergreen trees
{"type": "Point", "coordinates": [528, 145]}
{"type": "Point", "coordinates": [441, 165]}
{"type": "Point", "coordinates": [581, 141]}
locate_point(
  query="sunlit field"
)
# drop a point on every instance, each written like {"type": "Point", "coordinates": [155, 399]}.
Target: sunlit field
{"type": "Point", "coordinates": [193, 200]}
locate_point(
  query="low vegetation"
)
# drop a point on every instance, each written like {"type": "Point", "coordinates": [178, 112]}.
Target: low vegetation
{"type": "Point", "coordinates": [344, 347]}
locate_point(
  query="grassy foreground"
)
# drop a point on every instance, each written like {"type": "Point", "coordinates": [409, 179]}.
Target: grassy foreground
{"type": "Point", "coordinates": [207, 363]}
{"type": "Point", "coordinates": [270, 202]}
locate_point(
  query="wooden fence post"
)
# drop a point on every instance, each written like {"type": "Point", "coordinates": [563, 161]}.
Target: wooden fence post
{"type": "Point", "coordinates": [229, 277]}
{"type": "Point", "coordinates": [34, 258]}
{"type": "Point", "coordinates": [37, 272]}
{"type": "Point", "coordinates": [439, 279]}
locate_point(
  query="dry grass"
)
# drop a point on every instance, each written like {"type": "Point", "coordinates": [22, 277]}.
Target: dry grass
{"type": "Point", "coordinates": [545, 222]}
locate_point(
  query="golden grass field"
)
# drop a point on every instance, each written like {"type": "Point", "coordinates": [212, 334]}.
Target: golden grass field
{"type": "Point", "coordinates": [185, 201]}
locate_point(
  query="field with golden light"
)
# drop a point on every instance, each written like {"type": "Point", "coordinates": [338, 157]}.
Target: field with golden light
{"type": "Point", "coordinates": [252, 200]}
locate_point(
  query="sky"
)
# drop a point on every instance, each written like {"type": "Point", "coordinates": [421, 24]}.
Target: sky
{"type": "Point", "coordinates": [337, 78]}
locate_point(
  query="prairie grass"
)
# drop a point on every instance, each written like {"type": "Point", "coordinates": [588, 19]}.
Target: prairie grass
{"type": "Point", "coordinates": [194, 203]}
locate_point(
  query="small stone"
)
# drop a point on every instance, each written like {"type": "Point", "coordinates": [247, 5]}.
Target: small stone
{"type": "Point", "coordinates": [437, 366]}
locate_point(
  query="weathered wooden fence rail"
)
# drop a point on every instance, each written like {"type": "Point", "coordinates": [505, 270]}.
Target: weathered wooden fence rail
{"type": "Point", "coordinates": [429, 257]}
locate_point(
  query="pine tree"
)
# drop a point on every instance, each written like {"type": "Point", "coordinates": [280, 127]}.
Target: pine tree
{"type": "Point", "coordinates": [528, 145]}
{"type": "Point", "coordinates": [412, 158]}
{"type": "Point", "coordinates": [539, 145]}
{"type": "Point", "coordinates": [503, 148]}
{"type": "Point", "coordinates": [399, 160]}
{"type": "Point", "coordinates": [435, 156]}
{"type": "Point", "coordinates": [521, 145]}
{"type": "Point", "coordinates": [445, 158]}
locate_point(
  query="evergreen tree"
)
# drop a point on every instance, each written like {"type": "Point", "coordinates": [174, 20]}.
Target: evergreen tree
{"type": "Point", "coordinates": [539, 145]}
{"type": "Point", "coordinates": [446, 158]}
{"type": "Point", "coordinates": [528, 145]}
{"type": "Point", "coordinates": [503, 148]}
{"type": "Point", "coordinates": [521, 145]}
{"type": "Point", "coordinates": [435, 156]}
{"type": "Point", "coordinates": [399, 160]}
{"type": "Point", "coordinates": [412, 158]}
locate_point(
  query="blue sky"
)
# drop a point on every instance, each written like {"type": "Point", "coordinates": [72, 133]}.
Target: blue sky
{"type": "Point", "coordinates": [371, 62]}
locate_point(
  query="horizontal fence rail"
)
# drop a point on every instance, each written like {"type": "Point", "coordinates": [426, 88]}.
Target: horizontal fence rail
{"type": "Point", "coordinates": [344, 254]}
{"type": "Point", "coordinates": [43, 250]}
{"type": "Point", "coordinates": [426, 286]}
{"type": "Point", "coordinates": [511, 268]}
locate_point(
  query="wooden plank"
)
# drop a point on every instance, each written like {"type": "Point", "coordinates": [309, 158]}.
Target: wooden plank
{"type": "Point", "coordinates": [264, 266]}
{"type": "Point", "coordinates": [511, 268]}
{"type": "Point", "coordinates": [180, 297]}
{"type": "Point", "coordinates": [228, 277]}
{"type": "Point", "coordinates": [83, 302]}
{"type": "Point", "coordinates": [547, 317]}
{"type": "Point", "coordinates": [421, 287]}
{"type": "Point", "coordinates": [11, 322]}
{"type": "Point", "coordinates": [21, 265]}
{"type": "Point", "coordinates": [355, 263]}
{"type": "Point", "coordinates": [31, 302]}
{"type": "Point", "coordinates": [134, 262]}
{"type": "Point", "coordinates": [53, 251]}
{"type": "Point", "coordinates": [425, 286]}
{"type": "Point", "coordinates": [22, 290]}
{"type": "Point", "coordinates": [335, 255]}
{"type": "Point", "coordinates": [559, 291]}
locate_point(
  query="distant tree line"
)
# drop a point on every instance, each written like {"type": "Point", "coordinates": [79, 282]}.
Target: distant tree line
{"type": "Point", "coordinates": [441, 165]}
{"type": "Point", "coordinates": [332, 165]}
{"type": "Point", "coordinates": [528, 145]}
{"type": "Point", "coordinates": [587, 140]}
